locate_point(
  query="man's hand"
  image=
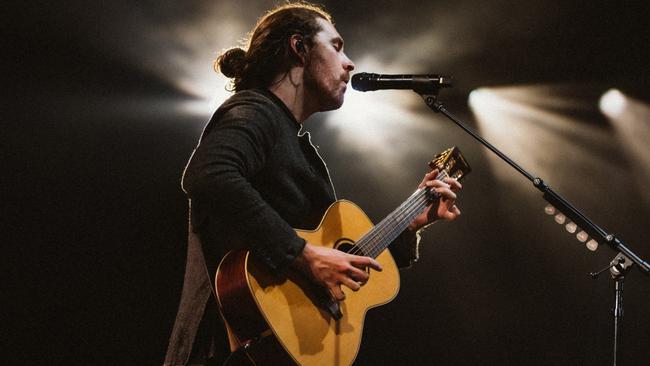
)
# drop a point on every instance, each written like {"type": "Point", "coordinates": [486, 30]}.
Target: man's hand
{"type": "Point", "coordinates": [332, 268]}
{"type": "Point", "coordinates": [443, 208]}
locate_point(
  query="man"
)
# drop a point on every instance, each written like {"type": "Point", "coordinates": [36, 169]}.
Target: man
{"type": "Point", "coordinates": [254, 177]}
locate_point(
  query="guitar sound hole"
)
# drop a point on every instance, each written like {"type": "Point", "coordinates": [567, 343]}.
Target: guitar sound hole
{"type": "Point", "coordinates": [346, 245]}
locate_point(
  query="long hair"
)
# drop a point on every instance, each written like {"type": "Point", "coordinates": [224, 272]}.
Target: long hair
{"type": "Point", "coordinates": [269, 52]}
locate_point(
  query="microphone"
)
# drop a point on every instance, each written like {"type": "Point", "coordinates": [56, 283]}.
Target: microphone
{"type": "Point", "coordinates": [420, 83]}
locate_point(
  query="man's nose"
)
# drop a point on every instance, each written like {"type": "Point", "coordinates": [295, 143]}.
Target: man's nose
{"type": "Point", "coordinates": [348, 64]}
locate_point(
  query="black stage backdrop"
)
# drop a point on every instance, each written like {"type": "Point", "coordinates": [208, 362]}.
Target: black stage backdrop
{"type": "Point", "coordinates": [104, 102]}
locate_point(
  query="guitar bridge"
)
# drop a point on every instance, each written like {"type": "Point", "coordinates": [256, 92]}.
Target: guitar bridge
{"type": "Point", "coordinates": [331, 305]}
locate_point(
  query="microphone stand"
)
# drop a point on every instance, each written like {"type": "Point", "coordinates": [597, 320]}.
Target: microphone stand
{"type": "Point", "coordinates": [431, 99]}
{"type": "Point", "coordinates": [429, 93]}
{"type": "Point", "coordinates": [618, 268]}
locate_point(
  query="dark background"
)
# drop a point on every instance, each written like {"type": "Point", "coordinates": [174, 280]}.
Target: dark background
{"type": "Point", "coordinates": [96, 130]}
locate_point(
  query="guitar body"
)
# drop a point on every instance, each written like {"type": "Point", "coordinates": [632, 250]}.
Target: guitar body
{"type": "Point", "coordinates": [281, 318]}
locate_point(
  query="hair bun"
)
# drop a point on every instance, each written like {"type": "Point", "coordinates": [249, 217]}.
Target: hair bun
{"type": "Point", "coordinates": [231, 63]}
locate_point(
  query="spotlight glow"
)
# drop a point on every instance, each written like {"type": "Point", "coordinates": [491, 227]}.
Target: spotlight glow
{"type": "Point", "coordinates": [370, 122]}
{"type": "Point", "coordinates": [535, 126]}
{"type": "Point", "coordinates": [631, 120]}
{"type": "Point", "coordinates": [612, 103]}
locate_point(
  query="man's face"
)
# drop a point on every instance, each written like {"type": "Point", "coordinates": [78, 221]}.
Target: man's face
{"type": "Point", "coordinates": [327, 68]}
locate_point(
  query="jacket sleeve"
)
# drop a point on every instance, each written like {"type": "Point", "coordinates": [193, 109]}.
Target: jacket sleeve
{"type": "Point", "coordinates": [406, 248]}
{"type": "Point", "coordinates": [219, 175]}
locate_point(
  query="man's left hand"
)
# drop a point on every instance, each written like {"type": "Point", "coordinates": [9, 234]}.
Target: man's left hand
{"type": "Point", "coordinates": [443, 208]}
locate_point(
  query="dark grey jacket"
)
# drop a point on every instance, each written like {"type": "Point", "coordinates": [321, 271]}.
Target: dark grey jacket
{"type": "Point", "coordinates": [251, 180]}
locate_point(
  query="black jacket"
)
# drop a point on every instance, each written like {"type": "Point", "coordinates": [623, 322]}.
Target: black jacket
{"type": "Point", "coordinates": [251, 180]}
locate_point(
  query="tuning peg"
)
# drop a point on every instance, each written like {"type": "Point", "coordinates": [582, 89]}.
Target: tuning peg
{"type": "Point", "coordinates": [560, 218]}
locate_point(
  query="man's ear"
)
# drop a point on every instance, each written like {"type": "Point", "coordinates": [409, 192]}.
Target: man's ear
{"type": "Point", "coordinates": [297, 43]}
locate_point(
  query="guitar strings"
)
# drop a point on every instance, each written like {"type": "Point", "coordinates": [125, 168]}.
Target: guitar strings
{"type": "Point", "coordinates": [369, 244]}
{"type": "Point", "coordinates": [380, 243]}
{"type": "Point", "coordinates": [388, 230]}
{"type": "Point", "coordinates": [396, 224]}
{"type": "Point", "coordinates": [378, 238]}
{"type": "Point", "coordinates": [385, 233]}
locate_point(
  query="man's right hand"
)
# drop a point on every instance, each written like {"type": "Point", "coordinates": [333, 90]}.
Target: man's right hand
{"type": "Point", "coordinates": [332, 268]}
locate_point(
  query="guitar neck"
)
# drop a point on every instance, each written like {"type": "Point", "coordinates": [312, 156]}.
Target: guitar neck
{"type": "Point", "coordinates": [377, 240]}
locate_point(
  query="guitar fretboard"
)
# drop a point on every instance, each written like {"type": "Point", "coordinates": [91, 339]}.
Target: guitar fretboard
{"type": "Point", "coordinates": [379, 237]}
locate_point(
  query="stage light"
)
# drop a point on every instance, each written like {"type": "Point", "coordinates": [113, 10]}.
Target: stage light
{"type": "Point", "coordinates": [477, 98]}
{"type": "Point", "coordinates": [630, 118]}
{"type": "Point", "coordinates": [537, 127]}
{"type": "Point", "coordinates": [612, 103]}
{"type": "Point", "coordinates": [200, 106]}
{"type": "Point", "coordinates": [181, 52]}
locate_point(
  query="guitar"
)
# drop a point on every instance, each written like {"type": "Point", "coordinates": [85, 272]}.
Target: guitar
{"type": "Point", "coordinates": [287, 320]}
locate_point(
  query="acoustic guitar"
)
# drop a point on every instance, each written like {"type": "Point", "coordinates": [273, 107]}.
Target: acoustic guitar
{"type": "Point", "coordinates": [287, 320]}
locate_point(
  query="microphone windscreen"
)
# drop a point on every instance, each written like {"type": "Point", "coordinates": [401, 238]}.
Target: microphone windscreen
{"type": "Point", "coordinates": [361, 81]}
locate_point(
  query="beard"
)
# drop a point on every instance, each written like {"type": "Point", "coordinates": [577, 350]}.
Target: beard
{"type": "Point", "coordinates": [324, 90]}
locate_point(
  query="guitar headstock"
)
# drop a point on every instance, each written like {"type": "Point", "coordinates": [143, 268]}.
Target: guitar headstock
{"type": "Point", "coordinates": [452, 162]}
